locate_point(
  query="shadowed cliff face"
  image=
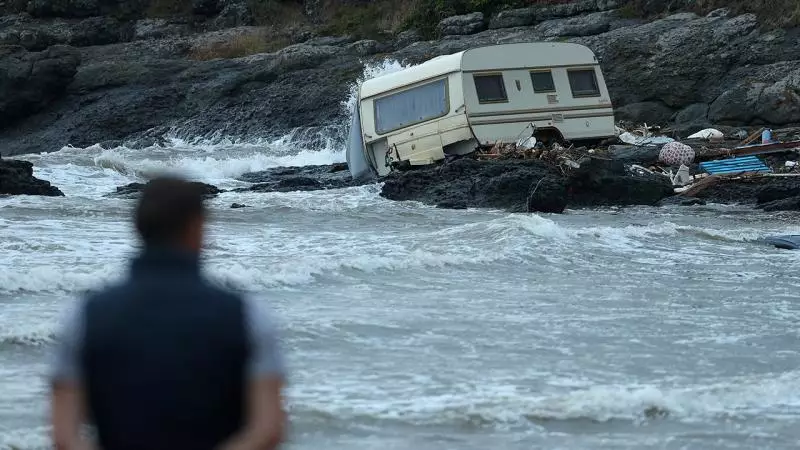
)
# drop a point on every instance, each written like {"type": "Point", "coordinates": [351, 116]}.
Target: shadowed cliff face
{"type": "Point", "coordinates": [122, 78]}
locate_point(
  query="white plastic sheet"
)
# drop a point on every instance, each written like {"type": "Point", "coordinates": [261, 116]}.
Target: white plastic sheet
{"type": "Point", "coordinates": [708, 133]}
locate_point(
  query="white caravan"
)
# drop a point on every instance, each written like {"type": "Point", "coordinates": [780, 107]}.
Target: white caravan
{"type": "Point", "coordinates": [456, 103]}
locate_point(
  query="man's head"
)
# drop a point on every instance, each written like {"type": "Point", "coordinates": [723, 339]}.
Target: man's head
{"type": "Point", "coordinates": [171, 213]}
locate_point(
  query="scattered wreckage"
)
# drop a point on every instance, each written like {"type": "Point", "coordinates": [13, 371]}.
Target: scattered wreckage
{"type": "Point", "coordinates": [704, 158]}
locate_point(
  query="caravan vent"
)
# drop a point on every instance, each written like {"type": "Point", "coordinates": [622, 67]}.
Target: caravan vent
{"type": "Point", "coordinates": [558, 118]}
{"type": "Point", "coordinates": [552, 98]}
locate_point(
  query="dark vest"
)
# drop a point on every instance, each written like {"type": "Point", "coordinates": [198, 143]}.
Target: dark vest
{"type": "Point", "coordinates": [164, 358]}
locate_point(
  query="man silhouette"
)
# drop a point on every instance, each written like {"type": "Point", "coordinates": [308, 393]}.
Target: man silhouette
{"type": "Point", "coordinates": [165, 360]}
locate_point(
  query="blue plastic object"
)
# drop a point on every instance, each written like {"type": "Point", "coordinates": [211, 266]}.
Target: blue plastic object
{"type": "Point", "coordinates": [766, 136]}
{"type": "Point", "coordinates": [742, 164]}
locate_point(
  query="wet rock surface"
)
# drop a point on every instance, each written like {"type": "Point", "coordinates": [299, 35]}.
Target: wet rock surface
{"type": "Point", "coordinates": [133, 190]}
{"type": "Point", "coordinates": [467, 183]}
{"type": "Point", "coordinates": [767, 193]}
{"type": "Point", "coordinates": [525, 186]}
{"type": "Point", "coordinates": [16, 178]}
{"type": "Point", "coordinates": [307, 178]}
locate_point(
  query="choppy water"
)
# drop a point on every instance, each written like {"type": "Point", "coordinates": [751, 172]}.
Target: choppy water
{"type": "Point", "coordinates": [410, 327]}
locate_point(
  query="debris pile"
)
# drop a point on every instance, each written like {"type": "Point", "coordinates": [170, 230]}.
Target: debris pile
{"type": "Point", "coordinates": [690, 164]}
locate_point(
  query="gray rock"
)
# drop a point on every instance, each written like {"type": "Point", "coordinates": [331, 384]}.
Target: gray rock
{"type": "Point", "coordinates": [511, 18]}
{"type": "Point", "coordinates": [234, 13]}
{"type": "Point", "coordinates": [205, 7]}
{"type": "Point", "coordinates": [95, 31]}
{"type": "Point", "coordinates": [63, 8]}
{"type": "Point", "coordinates": [557, 11]}
{"type": "Point", "coordinates": [158, 29]}
{"type": "Point", "coordinates": [588, 25]}
{"type": "Point", "coordinates": [330, 40]}
{"type": "Point", "coordinates": [133, 190]}
{"type": "Point", "coordinates": [16, 178]}
{"type": "Point", "coordinates": [605, 5]}
{"type": "Point", "coordinates": [770, 94]}
{"type": "Point", "coordinates": [650, 7]}
{"type": "Point", "coordinates": [37, 35]}
{"type": "Point", "coordinates": [694, 113]}
{"type": "Point", "coordinates": [462, 25]}
{"type": "Point", "coordinates": [292, 179]}
{"type": "Point", "coordinates": [524, 185]}
{"type": "Point", "coordinates": [652, 113]}
{"type": "Point", "coordinates": [407, 38]}
{"type": "Point", "coordinates": [31, 81]}
{"type": "Point", "coordinates": [720, 13]}
{"type": "Point", "coordinates": [365, 47]}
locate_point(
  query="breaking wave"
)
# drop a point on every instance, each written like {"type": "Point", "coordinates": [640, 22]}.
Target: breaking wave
{"type": "Point", "coordinates": [771, 397]}
{"type": "Point", "coordinates": [216, 159]}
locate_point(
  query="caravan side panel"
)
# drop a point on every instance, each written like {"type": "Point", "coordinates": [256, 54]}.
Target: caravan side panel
{"type": "Point", "coordinates": [550, 85]}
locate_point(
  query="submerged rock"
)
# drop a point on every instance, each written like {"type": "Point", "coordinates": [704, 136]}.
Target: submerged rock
{"type": "Point", "coordinates": [307, 178]}
{"type": "Point", "coordinates": [16, 178]}
{"type": "Point", "coordinates": [134, 189]}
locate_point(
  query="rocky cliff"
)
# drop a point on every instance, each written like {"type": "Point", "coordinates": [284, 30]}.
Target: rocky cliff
{"type": "Point", "coordinates": [81, 72]}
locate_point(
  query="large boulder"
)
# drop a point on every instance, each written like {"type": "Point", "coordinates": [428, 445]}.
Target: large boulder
{"type": "Point", "coordinates": [585, 25]}
{"type": "Point", "coordinates": [605, 182]}
{"type": "Point", "coordinates": [512, 18]}
{"type": "Point", "coordinates": [30, 81]}
{"type": "Point", "coordinates": [570, 9]}
{"type": "Point", "coordinates": [770, 93]}
{"type": "Point", "coordinates": [16, 178]}
{"type": "Point", "coordinates": [461, 25]}
{"type": "Point", "coordinates": [516, 186]}
{"type": "Point", "coordinates": [526, 185]}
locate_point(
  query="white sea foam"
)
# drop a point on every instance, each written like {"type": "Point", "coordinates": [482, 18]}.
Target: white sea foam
{"type": "Point", "coordinates": [26, 439]}
{"type": "Point", "coordinates": [497, 405]}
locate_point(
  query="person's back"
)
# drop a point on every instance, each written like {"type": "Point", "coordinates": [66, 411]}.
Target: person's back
{"type": "Point", "coordinates": [165, 360]}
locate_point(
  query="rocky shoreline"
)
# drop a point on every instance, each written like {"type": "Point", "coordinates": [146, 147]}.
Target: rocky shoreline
{"type": "Point", "coordinates": [531, 185]}
{"type": "Point", "coordinates": [82, 76]}
{"type": "Point", "coordinates": [16, 178]}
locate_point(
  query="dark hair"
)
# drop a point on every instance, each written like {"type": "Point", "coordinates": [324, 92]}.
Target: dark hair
{"type": "Point", "coordinates": [166, 207]}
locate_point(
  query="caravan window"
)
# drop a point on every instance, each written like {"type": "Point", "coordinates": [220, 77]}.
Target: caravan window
{"type": "Point", "coordinates": [490, 88]}
{"type": "Point", "coordinates": [583, 83]}
{"type": "Point", "coordinates": [411, 106]}
{"type": "Point", "coordinates": [543, 81]}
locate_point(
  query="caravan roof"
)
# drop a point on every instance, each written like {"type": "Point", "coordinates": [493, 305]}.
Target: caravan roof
{"type": "Point", "coordinates": [501, 56]}
{"type": "Point", "coordinates": [435, 67]}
